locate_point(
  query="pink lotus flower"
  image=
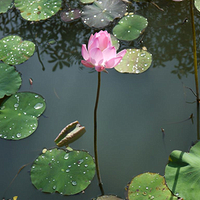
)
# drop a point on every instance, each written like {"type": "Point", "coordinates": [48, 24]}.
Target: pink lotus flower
{"type": "Point", "coordinates": [100, 53]}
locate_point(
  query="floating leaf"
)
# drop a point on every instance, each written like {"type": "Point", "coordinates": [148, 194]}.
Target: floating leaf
{"type": "Point", "coordinates": [149, 186]}
{"type": "Point", "coordinates": [142, 0]}
{"type": "Point", "coordinates": [197, 4]}
{"type": "Point", "coordinates": [102, 12]}
{"type": "Point", "coordinates": [87, 1]}
{"type": "Point", "coordinates": [70, 15]}
{"type": "Point", "coordinates": [135, 61]}
{"type": "Point", "coordinates": [10, 80]}
{"type": "Point", "coordinates": [5, 5]}
{"type": "Point", "coordinates": [14, 51]}
{"type": "Point", "coordinates": [115, 41]}
{"type": "Point", "coordinates": [70, 134]}
{"type": "Point", "coordinates": [36, 10]}
{"type": "Point", "coordinates": [182, 173]}
{"type": "Point", "coordinates": [108, 197]}
{"type": "Point", "coordinates": [65, 172]}
{"type": "Point", "coordinates": [18, 115]}
{"type": "Point", "coordinates": [130, 27]}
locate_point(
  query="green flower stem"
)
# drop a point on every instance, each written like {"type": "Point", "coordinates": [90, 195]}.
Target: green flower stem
{"type": "Point", "coordinates": [194, 49]}
{"type": "Point", "coordinates": [95, 135]}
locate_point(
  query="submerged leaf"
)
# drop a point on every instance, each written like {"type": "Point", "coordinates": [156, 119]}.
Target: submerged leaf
{"type": "Point", "coordinates": [135, 61]}
{"type": "Point", "coordinates": [182, 173]}
{"type": "Point", "coordinates": [65, 172]}
{"type": "Point", "coordinates": [149, 186]}
{"type": "Point", "coordinates": [10, 80]}
{"type": "Point", "coordinates": [18, 115]}
{"type": "Point", "coordinates": [101, 13]}
{"type": "Point", "coordinates": [14, 51]}
{"type": "Point", "coordinates": [130, 27]}
{"type": "Point", "coordinates": [36, 10]}
{"type": "Point", "coordinates": [70, 15]}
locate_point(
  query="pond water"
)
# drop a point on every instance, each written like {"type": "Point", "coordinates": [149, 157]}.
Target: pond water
{"type": "Point", "coordinates": [133, 109]}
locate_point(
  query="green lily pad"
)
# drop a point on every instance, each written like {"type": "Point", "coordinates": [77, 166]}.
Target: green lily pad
{"type": "Point", "coordinates": [36, 10]}
{"type": "Point", "coordinates": [10, 80]}
{"type": "Point", "coordinates": [18, 115]}
{"type": "Point", "coordinates": [65, 172]}
{"type": "Point", "coordinates": [87, 1]}
{"type": "Point", "coordinates": [5, 5]}
{"type": "Point", "coordinates": [182, 173]}
{"type": "Point", "coordinates": [108, 197]}
{"type": "Point", "coordinates": [135, 61]}
{"type": "Point", "coordinates": [149, 186]}
{"type": "Point", "coordinates": [70, 15]}
{"type": "Point", "coordinates": [142, 0]}
{"type": "Point", "coordinates": [101, 13]}
{"type": "Point", "coordinates": [14, 51]}
{"type": "Point", "coordinates": [130, 27]}
{"type": "Point", "coordinates": [197, 4]}
{"type": "Point", "coordinates": [115, 41]}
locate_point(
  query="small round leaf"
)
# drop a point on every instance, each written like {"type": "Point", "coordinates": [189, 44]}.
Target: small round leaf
{"type": "Point", "coordinates": [130, 27]}
{"type": "Point", "coordinates": [65, 172]}
{"type": "Point", "coordinates": [10, 80]}
{"type": "Point", "coordinates": [18, 115]}
{"type": "Point", "coordinates": [135, 61]}
{"type": "Point", "coordinates": [87, 1]}
{"type": "Point", "coordinates": [149, 186]}
{"type": "Point", "coordinates": [38, 9]}
{"type": "Point", "coordinates": [108, 197]}
{"type": "Point", "coordinates": [197, 4]}
{"type": "Point", "coordinates": [5, 5]}
{"type": "Point", "coordinates": [14, 51]}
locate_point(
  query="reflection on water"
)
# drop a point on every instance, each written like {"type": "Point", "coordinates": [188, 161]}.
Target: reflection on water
{"type": "Point", "coordinates": [168, 36]}
{"type": "Point", "coordinates": [133, 109]}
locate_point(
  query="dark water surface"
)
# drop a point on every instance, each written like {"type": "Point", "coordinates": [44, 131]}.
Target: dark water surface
{"type": "Point", "coordinates": [132, 108]}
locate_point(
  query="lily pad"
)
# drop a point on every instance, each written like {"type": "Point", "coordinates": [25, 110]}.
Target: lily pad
{"type": "Point", "coordinates": [108, 197]}
{"type": "Point", "coordinates": [70, 15]}
{"type": "Point", "coordinates": [130, 27]}
{"type": "Point", "coordinates": [10, 80]}
{"type": "Point", "coordinates": [197, 4]}
{"type": "Point", "coordinates": [14, 51]}
{"type": "Point", "coordinates": [102, 12]}
{"type": "Point", "coordinates": [36, 10]}
{"type": "Point", "coordinates": [18, 115]}
{"type": "Point", "coordinates": [87, 1]}
{"type": "Point", "coordinates": [65, 172]}
{"type": "Point", "coordinates": [5, 5]}
{"type": "Point", "coordinates": [182, 173]}
{"type": "Point", "coordinates": [135, 61]}
{"type": "Point", "coordinates": [149, 186]}
{"type": "Point", "coordinates": [115, 41]}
